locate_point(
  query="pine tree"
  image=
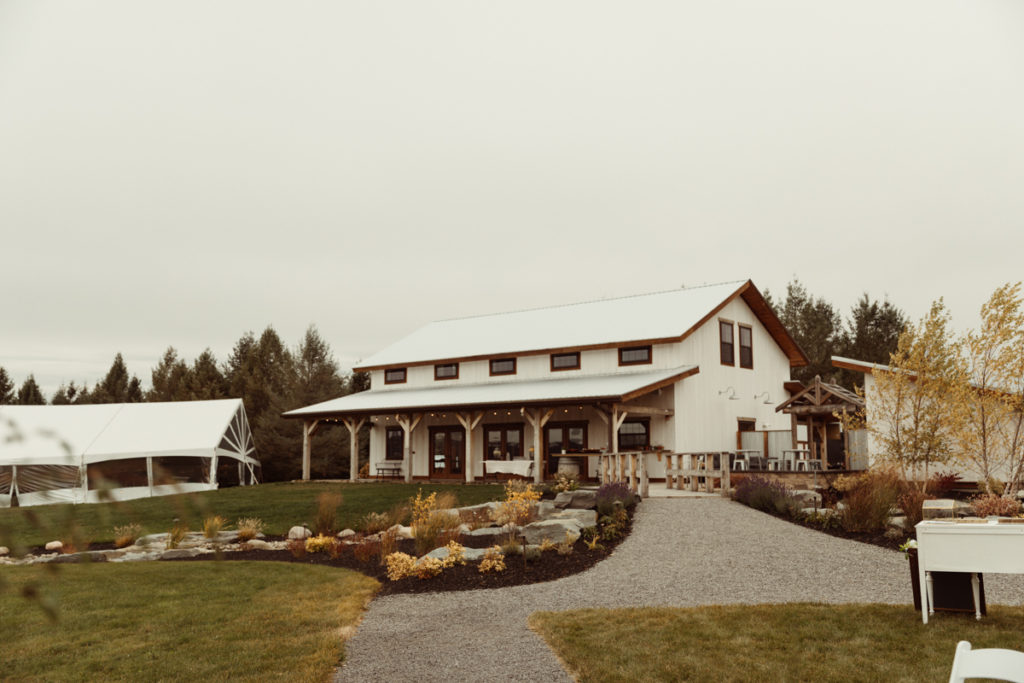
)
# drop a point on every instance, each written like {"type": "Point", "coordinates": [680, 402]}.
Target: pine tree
{"type": "Point", "coordinates": [6, 388]}
{"type": "Point", "coordinates": [117, 386]}
{"type": "Point", "coordinates": [815, 326]}
{"type": "Point", "coordinates": [872, 334]}
{"type": "Point", "coordinates": [169, 378]}
{"type": "Point", "coordinates": [205, 381]}
{"type": "Point", "coordinates": [29, 394]}
{"type": "Point", "coordinates": [66, 395]}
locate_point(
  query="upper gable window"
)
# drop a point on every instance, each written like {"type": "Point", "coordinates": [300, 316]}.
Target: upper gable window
{"type": "Point", "coordinates": [446, 371]}
{"type": "Point", "coordinates": [394, 376]}
{"type": "Point", "coordinates": [635, 355]}
{"type": "Point", "coordinates": [503, 366]}
{"type": "Point", "coordinates": [728, 348]}
{"type": "Point", "coordinates": [565, 361]}
{"type": "Point", "coordinates": [746, 347]}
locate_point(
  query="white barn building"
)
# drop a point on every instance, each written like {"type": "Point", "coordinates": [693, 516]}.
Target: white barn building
{"type": "Point", "coordinates": [685, 370]}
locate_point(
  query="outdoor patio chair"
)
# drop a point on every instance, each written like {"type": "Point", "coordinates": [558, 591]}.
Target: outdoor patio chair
{"type": "Point", "coordinates": [1002, 665]}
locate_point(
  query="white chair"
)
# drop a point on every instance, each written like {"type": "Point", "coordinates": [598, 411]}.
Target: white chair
{"type": "Point", "coordinates": [1002, 665]}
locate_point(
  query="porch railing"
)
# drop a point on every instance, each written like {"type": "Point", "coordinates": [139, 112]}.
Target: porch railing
{"type": "Point", "coordinates": [680, 468]}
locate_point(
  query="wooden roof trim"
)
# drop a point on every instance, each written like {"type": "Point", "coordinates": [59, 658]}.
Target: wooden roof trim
{"type": "Point", "coordinates": [690, 372]}
{"type": "Point", "coordinates": [857, 366]}
{"type": "Point", "coordinates": [774, 326]}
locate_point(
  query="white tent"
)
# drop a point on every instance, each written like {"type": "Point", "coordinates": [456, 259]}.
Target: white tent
{"type": "Point", "coordinates": [51, 454]}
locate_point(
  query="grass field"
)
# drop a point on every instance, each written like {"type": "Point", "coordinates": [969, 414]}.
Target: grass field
{"type": "Point", "coordinates": [279, 505]}
{"type": "Point", "coordinates": [179, 621]}
{"type": "Point", "coordinates": [792, 642]}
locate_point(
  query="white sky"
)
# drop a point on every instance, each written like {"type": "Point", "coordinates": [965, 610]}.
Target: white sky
{"type": "Point", "coordinates": [181, 172]}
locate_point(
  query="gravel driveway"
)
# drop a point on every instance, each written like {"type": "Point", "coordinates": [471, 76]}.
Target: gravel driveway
{"type": "Point", "coordinates": [682, 552]}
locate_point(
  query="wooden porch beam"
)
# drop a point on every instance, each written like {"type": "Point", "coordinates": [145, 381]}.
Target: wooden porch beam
{"type": "Point", "coordinates": [353, 445]}
{"type": "Point", "coordinates": [308, 429]}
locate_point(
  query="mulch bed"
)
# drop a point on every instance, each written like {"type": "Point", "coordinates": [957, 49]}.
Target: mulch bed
{"type": "Point", "coordinates": [878, 538]}
{"type": "Point", "coordinates": [548, 567]}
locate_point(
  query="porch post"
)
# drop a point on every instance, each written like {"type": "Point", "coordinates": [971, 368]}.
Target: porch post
{"type": "Point", "coordinates": [469, 421]}
{"type": "Point", "coordinates": [308, 429]}
{"type": "Point", "coordinates": [353, 445]}
{"type": "Point", "coordinates": [149, 475]}
{"type": "Point", "coordinates": [537, 420]}
{"type": "Point", "coordinates": [408, 423]}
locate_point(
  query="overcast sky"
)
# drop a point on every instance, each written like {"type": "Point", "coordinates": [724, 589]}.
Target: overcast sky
{"type": "Point", "coordinates": [177, 173]}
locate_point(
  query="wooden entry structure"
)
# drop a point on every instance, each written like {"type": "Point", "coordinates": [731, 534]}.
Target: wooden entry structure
{"type": "Point", "coordinates": [818, 406]}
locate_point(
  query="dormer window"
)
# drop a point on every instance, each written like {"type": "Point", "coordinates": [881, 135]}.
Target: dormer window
{"type": "Point", "coordinates": [503, 366]}
{"type": "Point", "coordinates": [635, 355]}
{"type": "Point", "coordinates": [446, 371]}
{"type": "Point", "coordinates": [565, 361]}
{"type": "Point", "coordinates": [394, 376]}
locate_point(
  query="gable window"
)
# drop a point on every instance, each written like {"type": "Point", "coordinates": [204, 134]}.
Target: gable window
{"type": "Point", "coordinates": [394, 376]}
{"type": "Point", "coordinates": [565, 361]}
{"type": "Point", "coordinates": [503, 366]}
{"type": "Point", "coordinates": [746, 347]}
{"type": "Point", "coordinates": [446, 371]}
{"type": "Point", "coordinates": [635, 355]}
{"type": "Point", "coordinates": [394, 442]}
{"type": "Point", "coordinates": [725, 334]}
{"type": "Point", "coordinates": [635, 435]}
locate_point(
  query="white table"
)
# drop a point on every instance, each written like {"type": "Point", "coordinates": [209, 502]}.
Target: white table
{"type": "Point", "coordinates": [522, 467]}
{"type": "Point", "coordinates": [971, 547]}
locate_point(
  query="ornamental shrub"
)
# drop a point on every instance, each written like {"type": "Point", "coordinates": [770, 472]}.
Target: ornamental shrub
{"type": "Point", "coordinates": [212, 525]}
{"type": "Point", "coordinates": [493, 560]}
{"type": "Point", "coordinates": [399, 565]}
{"type": "Point", "coordinates": [433, 522]}
{"type": "Point", "coordinates": [611, 493]}
{"type": "Point", "coordinates": [126, 535]}
{"type": "Point", "coordinates": [518, 507]}
{"type": "Point", "coordinates": [565, 482]}
{"type": "Point", "coordinates": [760, 493]}
{"type": "Point", "coordinates": [319, 544]}
{"type": "Point", "coordinates": [868, 500]}
{"type": "Point", "coordinates": [249, 528]}
{"type": "Point", "coordinates": [428, 567]}
{"type": "Point", "coordinates": [327, 505]}
{"type": "Point", "coordinates": [989, 504]}
{"type": "Point", "coordinates": [456, 554]}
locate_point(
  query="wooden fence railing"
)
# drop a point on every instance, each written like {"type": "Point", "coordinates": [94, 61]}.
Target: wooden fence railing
{"type": "Point", "coordinates": [631, 468]}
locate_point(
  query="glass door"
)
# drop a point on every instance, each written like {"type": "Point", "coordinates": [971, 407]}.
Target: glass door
{"type": "Point", "coordinates": [447, 451]}
{"type": "Point", "coordinates": [567, 437]}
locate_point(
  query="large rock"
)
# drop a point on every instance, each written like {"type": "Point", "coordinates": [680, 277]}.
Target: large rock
{"type": "Point", "coordinates": [346, 533]}
{"type": "Point", "coordinates": [55, 546]}
{"type": "Point", "coordinates": [178, 553]}
{"type": "Point", "coordinates": [469, 554]}
{"type": "Point", "coordinates": [299, 533]}
{"type": "Point", "coordinates": [586, 518]}
{"type": "Point", "coordinates": [402, 531]}
{"type": "Point", "coordinates": [582, 499]}
{"type": "Point", "coordinates": [545, 509]}
{"type": "Point", "coordinates": [488, 532]}
{"type": "Point", "coordinates": [152, 539]}
{"type": "Point", "coordinates": [4, 551]}
{"type": "Point", "coordinates": [257, 544]}
{"type": "Point", "coordinates": [75, 558]}
{"type": "Point", "coordinates": [807, 497]}
{"type": "Point", "coordinates": [553, 530]}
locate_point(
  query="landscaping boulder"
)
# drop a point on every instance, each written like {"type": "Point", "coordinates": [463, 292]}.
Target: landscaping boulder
{"type": "Point", "coordinates": [582, 499]}
{"type": "Point", "coordinates": [152, 539]}
{"type": "Point", "coordinates": [470, 554]}
{"type": "Point", "coordinates": [402, 531]}
{"type": "Point", "coordinates": [55, 545]}
{"type": "Point", "coordinates": [176, 553]}
{"type": "Point", "coordinates": [346, 533]}
{"type": "Point", "coordinates": [488, 506]}
{"type": "Point", "coordinates": [488, 531]}
{"type": "Point", "coordinates": [553, 530]}
{"type": "Point", "coordinates": [257, 544]}
{"type": "Point", "coordinates": [586, 518]}
{"type": "Point", "coordinates": [4, 551]}
{"type": "Point", "coordinates": [807, 497]}
{"type": "Point", "coordinates": [545, 509]}
{"type": "Point", "coordinates": [75, 558]}
{"type": "Point", "coordinates": [299, 533]}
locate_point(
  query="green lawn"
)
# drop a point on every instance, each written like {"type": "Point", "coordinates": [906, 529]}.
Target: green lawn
{"type": "Point", "coordinates": [792, 642]}
{"type": "Point", "coordinates": [179, 621]}
{"type": "Point", "coordinates": [280, 506]}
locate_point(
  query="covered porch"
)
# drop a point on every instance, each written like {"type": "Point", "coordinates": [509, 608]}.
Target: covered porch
{"type": "Point", "coordinates": [527, 428]}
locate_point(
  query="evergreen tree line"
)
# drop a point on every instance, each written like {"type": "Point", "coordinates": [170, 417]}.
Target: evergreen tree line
{"type": "Point", "coordinates": [269, 377]}
{"type": "Point", "coordinates": [870, 333]}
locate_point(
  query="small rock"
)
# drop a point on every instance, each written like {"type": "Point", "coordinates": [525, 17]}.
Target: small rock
{"type": "Point", "coordinates": [55, 545]}
{"type": "Point", "coordinates": [402, 531]}
{"type": "Point", "coordinates": [299, 533]}
{"type": "Point", "coordinates": [346, 533]}
{"type": "Point", "coordinates": [488, 531]}
{"type": "Point", "coordinates": [4, 551]}
{"type": "Point", "coordinates": [257, 544]}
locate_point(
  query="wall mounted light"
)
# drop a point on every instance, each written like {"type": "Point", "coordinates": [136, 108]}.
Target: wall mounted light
{"type": "Point", "coordinates": [767, 399]}
{"type": "Point", "coordinates": [731, 393]}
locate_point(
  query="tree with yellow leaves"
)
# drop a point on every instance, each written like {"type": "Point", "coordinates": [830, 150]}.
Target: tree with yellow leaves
{"type": "Point", "coordinates": [988, 397]}
{"type": "Point", "coordinates": [911, 418]}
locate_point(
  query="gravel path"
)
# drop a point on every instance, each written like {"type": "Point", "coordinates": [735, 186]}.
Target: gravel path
{"type": "Point", "coordinates": [682, 552]}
